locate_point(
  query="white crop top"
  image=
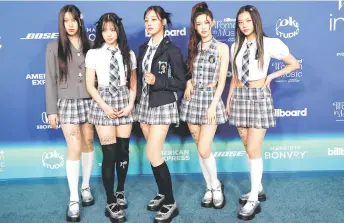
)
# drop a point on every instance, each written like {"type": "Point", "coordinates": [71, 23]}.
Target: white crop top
{"type": "Point", "coordinates": [273, 48]}
{"type": "Point", "coordinates": [99, 60]}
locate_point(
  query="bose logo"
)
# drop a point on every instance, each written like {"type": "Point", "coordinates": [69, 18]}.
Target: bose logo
{"type": "Point", "coordinates": [41, 36]}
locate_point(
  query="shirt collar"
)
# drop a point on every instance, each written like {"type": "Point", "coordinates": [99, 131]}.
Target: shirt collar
{"type": "Point", "coordinates": [105, 47]}
{"type": "Point", "coordinates": [253, 41]}
{"type": "Point", "coordinates": [150, 43]}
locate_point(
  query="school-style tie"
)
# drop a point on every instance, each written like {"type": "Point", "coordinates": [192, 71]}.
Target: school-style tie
{"type": "Point", "coordinates": [145, 86]}
{"type": "Point", "coordinates": [246, 65]}
{"type": "Point", "coordinates": [114, 72]}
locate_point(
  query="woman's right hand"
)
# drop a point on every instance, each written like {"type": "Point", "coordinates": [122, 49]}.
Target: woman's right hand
{"type": "Point", "coordinates": [53, 120]}
{"type": "Point", "coordinates": [188, 90]}
{"type": "Point", "coordinates": [109, 111]}
{"type": "Point", "coordinates": [228, 107]}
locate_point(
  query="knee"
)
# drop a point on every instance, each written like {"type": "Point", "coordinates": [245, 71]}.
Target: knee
{"type": "Point", "coordinates": [74, 153]}
{"type": "Point", "coordinates": [123, 146]}
{"type": "Point", "coordinates": [109, 152]}
{"type": "Point", "coordinates": [204, 153]}
{"type": "Point", "coordinates": [89, 145]}
{"type": "Point", "coordinates": [153, 157]}
{"type": "Point", "coordinates": [253, 153]}
{"type": "Point", "coordinates": [107, 140]}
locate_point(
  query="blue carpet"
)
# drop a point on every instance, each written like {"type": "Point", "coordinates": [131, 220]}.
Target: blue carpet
{"type": "Point", "coordinates": [289, 199]}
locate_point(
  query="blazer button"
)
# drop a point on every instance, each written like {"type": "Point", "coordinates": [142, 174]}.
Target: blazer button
{"type": "Point", "coordinates": [78, 54]}
{"type": "Point", "coordinates": [80, 81]}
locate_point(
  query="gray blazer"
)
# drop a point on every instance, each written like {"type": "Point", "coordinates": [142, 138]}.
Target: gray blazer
{"type": "Point", "coordinates": [74, 87]}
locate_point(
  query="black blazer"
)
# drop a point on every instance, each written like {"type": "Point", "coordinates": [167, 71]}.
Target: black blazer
{"type": "Point", "coordinates": [167, 59]}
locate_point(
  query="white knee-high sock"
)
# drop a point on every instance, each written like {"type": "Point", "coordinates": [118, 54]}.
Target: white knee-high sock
{"type": "Point", "coordinates": [87, 164]}
{"type": "Point", "coordinates": [256, 177]}
{"type": "Point", "coordinates": [73, 168]}
{"type": "Point", "coordinates": [260, 188]}
{"type": "Point", "coordinates": [205, 172]}
{"type": "Point", "coordinates": [210, 165]}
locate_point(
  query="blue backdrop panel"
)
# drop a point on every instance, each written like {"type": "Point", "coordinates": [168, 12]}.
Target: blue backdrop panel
{"type": "Point", "coordinates": [309, 102]}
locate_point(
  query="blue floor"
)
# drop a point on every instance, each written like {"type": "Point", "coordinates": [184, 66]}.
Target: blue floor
{"type": "Point", "coordinates": [314, 199]}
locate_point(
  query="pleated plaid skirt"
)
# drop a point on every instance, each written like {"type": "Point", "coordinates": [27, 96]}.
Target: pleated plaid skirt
{"type": "Point", "coordinates": [73, 111]}
{"type": "Point", "coordinates": [97, 115]}
{"type": "Point", "coordinates": [252, 108]}
{"type": "Point", "coordinates": [194, 111]}
{"type": "Point", "coordinates": [161, 115]}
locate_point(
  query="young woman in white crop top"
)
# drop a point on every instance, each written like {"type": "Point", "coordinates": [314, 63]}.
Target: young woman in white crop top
{"type": "Point", "coordinates": [249, 103]}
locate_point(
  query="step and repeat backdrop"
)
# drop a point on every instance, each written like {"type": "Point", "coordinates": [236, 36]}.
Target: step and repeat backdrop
{"type": "Point", "coordinates": [309, 102]}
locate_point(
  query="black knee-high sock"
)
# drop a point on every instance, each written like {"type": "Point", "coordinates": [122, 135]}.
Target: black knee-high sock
{"type": "Point", "coordinates": [163, 178]}
{"type": "Point", "coordinates": [122, 161]}
{"type": "Point", "coordinates": [158, 182]}
{"type": "Point", "coordinates": [108, 171]}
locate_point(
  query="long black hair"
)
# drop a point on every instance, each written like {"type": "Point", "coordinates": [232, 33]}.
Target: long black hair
{"type": "Point", "coordinates": [64, 51]}
{"type": "Point", "coordinates": [121, 38]}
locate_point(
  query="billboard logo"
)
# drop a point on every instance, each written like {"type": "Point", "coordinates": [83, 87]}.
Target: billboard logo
{"type": "Point", "coordinates": [288, 113]}
{"type": "Point", "coordinates": [172, 32]}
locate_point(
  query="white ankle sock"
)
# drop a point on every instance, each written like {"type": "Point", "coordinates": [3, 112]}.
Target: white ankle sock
{"type": "Point", "coordinates": [210, 165]}
{"type": "Point", "coordinates": [87, 163]}
{"type": "Point", "coordinates": [256, 171]}
{"type": "Point", "coordinates": [205, 172]}
{"type": "Point", "coordinates": [73, 168]}
{"type": "Point", "coordinates": [260, 188]}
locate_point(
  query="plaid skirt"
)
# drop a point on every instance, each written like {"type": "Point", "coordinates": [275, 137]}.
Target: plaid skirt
{"type": "Point", "coordinates": [194, 111]}
{"type": "Point", "coordinates": [252, 108]}
{"type": "Point", "coordinates": [73, 111]}
{"type": "Point", "coordinates": [161, 115]}
{"type": "Point", "coordinates": [97, 115]}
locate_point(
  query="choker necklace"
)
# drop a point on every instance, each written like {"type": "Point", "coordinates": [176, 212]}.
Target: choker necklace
{"type": "Point", "coordinates": [207, 40]}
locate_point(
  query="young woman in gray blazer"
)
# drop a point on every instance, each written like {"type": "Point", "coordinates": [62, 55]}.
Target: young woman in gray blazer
{"type": "Point", "coordinates": [67, 103]}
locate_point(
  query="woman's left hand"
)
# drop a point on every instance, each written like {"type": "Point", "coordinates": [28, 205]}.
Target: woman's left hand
{"type": "Point", "coordinates": [125, 111]}
{"type": "Point", "coordinates": [211, 114]}
{"type": "Point", "coordinates": [267, 82]}
{"type": "Point", "coordinates": [149, 78]}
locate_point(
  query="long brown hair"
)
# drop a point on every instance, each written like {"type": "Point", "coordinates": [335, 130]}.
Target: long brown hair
{"type": "Point", "coordinates": [197, 10]}
{"type": "Point", "coordinates": [258, 30]}
{"type": "Point", "coordinates": [64, 51]}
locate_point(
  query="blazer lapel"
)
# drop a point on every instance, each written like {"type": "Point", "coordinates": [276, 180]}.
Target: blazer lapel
{"type": "Point", "coordinates": [163, 46]}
